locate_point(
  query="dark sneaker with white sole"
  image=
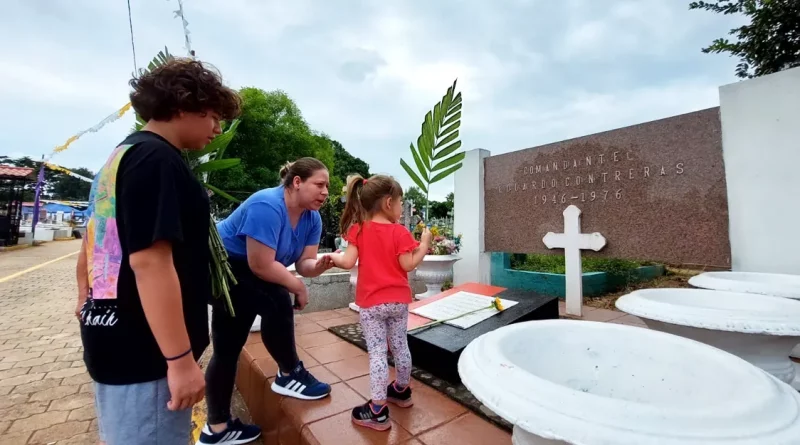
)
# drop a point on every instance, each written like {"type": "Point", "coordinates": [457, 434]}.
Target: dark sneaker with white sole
{"type": "Point", "coordinates": [300, 384]}
{"type": "Point", "coordinates": [366, 416]}
{"type": "Point", "coordinates": [398, 397]}
{"type": "Point", "coordinates": [236, 433]}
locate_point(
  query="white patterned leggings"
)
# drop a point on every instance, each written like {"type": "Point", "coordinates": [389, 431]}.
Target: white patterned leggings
{"type": "Point", "coordinates": [381, 323]}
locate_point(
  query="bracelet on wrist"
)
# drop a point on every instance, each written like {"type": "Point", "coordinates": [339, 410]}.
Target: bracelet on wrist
{"type": "Point", "coordinates": [188, 351]}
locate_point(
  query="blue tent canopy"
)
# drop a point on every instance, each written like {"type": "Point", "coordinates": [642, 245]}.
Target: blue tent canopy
{"type": "Point", "coordinates": [52, 207]}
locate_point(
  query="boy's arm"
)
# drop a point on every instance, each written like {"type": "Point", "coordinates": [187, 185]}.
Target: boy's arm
{"type": "Point", "coordinates": [160, 293]}
{"type": "Point", "coordinates": [82, 276]}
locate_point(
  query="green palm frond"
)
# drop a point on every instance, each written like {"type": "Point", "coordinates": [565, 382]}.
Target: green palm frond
{"type": "Point", "coordinates": [436, 155]}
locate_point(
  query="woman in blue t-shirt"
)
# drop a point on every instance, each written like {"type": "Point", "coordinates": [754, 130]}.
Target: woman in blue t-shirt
{"type": "Point", "coordinates": [273, 229]}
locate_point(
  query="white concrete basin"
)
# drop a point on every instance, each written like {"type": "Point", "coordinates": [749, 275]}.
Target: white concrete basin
{"type": "Point", "coordinates": [758, 328]}
{"type": "Point", "coordinates": [588, 383]}
{"type": "Point", "coordinates": [778, 285]}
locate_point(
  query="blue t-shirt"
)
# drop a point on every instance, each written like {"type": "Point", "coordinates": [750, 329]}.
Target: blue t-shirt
{"type": "Point", "coordinates": [264, 217]}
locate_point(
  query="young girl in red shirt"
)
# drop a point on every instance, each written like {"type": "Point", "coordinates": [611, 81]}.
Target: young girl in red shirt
{"type": "Point", "coordinates": [386, 252]}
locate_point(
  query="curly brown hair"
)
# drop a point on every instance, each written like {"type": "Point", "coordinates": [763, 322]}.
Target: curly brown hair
{"type": "Point", "coordinates": [182, 84]}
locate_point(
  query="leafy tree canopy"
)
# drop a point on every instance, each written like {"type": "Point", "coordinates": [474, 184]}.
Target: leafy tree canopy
{"type": "Point", "coordinates": [415, 195]}
{"type": "Point", "coordinates": [57, 185]}
{"type": "Point", "coordinates": [768, 44]}
{"type": "Point", "coordinates": [346, 164]}
{"type": "Point", "coordinates": [271, 132]}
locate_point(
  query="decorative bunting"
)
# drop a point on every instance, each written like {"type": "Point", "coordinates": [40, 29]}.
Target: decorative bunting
{"type": "Point", "coordinates": [179, 13]}
{"type": "Point", "coordinates": [111, 118]}
{"type": "Point", "coordinates": [68, 172]}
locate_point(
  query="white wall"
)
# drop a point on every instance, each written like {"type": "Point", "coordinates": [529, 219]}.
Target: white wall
{"type": "Point", "coordinates": [468, 215]}
{"type": "Point", "coordinates": [761, 149]}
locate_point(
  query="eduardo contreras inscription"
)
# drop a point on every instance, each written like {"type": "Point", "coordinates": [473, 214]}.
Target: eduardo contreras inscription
{"type": "Point", "coordinates": [593, 177]}
{"type": "Point", "coordinates": [655, 190]}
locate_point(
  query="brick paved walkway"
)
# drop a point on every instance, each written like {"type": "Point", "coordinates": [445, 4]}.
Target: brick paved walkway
{"type": "Point", "coordinates": [18, 260]}
{"type": "Point", "coordinates": [45, 392]}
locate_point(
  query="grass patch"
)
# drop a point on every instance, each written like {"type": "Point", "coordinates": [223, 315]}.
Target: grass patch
{"type": "Point", "coordinates": [555, 264]}
{"type": "Point", "coordinates": [621, 273]}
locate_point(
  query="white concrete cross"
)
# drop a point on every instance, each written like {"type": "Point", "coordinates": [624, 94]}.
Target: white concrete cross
{"type": "Point", "coordinates": [572, 241]}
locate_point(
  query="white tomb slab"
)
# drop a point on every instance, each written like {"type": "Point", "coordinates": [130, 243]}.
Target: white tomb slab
{"type": "Point", "coordinates": [459, 304]}
{"type": "Point", "coordinates": [573, 241]}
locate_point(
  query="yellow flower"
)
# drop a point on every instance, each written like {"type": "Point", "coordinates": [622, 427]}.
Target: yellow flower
{"type": "Point", "coordinates": [435, 231]}
{"type": "Point", "coordinates": [497, 304]}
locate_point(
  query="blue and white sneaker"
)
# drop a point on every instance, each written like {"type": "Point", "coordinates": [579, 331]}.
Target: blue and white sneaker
{"type": "Point", "coordinates": [235, 434]}
{"type": "Point", "coordinates": [300, 384]}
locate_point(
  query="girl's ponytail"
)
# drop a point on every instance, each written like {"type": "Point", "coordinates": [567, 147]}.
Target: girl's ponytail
{"type": "Point", "coordinates": [354, 212]}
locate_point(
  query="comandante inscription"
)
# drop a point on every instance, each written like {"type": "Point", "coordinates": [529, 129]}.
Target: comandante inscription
{"type": "Point", "coordinates": [600, 177]}
{"type": "Point", "coordinates": [656, 191]}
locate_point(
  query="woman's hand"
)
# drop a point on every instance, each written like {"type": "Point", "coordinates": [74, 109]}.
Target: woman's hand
{"type": "Point", "coordinates": [324, 263]}
{"type": "Point", "coordinates": [300, 296]}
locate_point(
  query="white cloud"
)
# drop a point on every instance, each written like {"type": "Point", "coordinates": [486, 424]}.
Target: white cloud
{"type": "Point", "coordinates": [365, 72]}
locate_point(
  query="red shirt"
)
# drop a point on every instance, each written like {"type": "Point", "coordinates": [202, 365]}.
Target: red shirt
{"type": "Point", "coordinates": [380, 277]}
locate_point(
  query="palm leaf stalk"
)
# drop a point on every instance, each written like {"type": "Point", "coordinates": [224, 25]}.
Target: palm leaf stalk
{"type": "Point", "coordinates": [221, 274]}
{"type": "Point", "coordinates": [203, 162]}
{"type": "Point", "coordinates": [436, 155]}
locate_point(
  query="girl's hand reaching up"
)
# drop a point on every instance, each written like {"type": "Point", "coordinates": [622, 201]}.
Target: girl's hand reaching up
{"type": "Point", "coordinates": [426, 237]}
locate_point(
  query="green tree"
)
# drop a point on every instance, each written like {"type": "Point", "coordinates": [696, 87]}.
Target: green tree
{"type": "Point", "coordinates": [417, 198]}
{"type": "Point", "coordinates": [346, 164]}
{"type": "Point", "coordinates": [768, 44]}
{"type": "Point", "coordinates": [439, 209]}
{"type": "Point", "coordinates": [331, 212]}
{"type": "Point", "coordinates": [271, 132]}
{"type": "Point", "coordinates": [69, 188]}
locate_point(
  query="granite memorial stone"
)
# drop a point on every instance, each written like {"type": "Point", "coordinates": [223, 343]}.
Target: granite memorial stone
{"type": "Point", "coordinates": [656, 191]}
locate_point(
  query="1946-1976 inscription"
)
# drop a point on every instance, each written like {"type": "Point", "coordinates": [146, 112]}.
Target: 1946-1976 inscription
{"type": "Point", "coordinates": [600, 177]}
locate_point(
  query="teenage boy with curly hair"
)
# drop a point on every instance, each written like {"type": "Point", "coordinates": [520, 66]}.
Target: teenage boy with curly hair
{"type": "Point", "coordinates": [143, 271]}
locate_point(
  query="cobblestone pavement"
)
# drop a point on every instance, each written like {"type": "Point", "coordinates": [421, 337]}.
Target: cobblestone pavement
{"type": "Point", "coordinates": [45, 393]}
{"type": "Point", "coordinates": [18, 260]}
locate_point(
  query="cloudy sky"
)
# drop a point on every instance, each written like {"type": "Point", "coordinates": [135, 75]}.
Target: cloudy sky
{"type": "Point", "coordinates": [366, 71]}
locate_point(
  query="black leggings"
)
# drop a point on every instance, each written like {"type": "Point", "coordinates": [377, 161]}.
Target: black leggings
{"type": "Point", "coordinates": [250, 296]}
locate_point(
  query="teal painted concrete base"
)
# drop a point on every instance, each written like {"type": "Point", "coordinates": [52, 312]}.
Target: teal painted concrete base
{"type": "Point", "coordinates": [594, 283]}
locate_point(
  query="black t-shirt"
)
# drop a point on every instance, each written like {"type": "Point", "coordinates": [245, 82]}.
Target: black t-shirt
{"type": "Point", "coordinates": [144, 193]}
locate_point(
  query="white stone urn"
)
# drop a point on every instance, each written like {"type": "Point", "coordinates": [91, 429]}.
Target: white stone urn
{"type": "Point", "coordinates": [758, 328]}
{"type": "Point", "coordinates": [434, 271]}
{"type": "Point", "coordinates": [779, 285]}
{"type": "Point", "coordinates": [589, 383]}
